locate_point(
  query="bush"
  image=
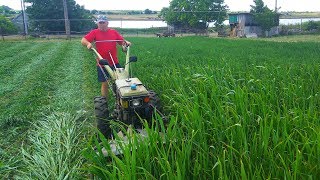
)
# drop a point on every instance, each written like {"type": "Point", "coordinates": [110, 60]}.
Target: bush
{"type": "Point", "coordinates": [313, 26]}
{"type": "Point", "coordinates": [310, 27]}
{"type": "Point", "coordinates": [6, 26]}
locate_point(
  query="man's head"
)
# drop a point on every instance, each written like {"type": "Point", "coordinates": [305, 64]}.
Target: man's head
{"type": "Point", "coordinates": [102, 22]}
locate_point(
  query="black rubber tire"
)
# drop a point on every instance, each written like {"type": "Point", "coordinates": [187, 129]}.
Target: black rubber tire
{"type": "Point", "coordinates": [102, 113]}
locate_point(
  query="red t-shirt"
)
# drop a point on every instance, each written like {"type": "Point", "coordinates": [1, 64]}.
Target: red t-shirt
{"type": "Point", "coordinates": [103, 48]}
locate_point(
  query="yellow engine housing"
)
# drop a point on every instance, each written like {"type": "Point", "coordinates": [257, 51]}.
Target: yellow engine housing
{"type": "Point", "coordinates": [124, 87]}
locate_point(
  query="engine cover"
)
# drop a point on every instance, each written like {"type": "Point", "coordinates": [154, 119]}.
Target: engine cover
{"type": "Point", "coordinates": [124, 87]}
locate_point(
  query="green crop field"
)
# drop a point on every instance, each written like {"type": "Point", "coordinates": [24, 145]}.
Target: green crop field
{"type": "Point", "coordinates": [238, 109]}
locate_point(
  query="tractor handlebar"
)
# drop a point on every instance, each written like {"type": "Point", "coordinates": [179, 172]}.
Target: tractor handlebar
{"type": "Point", "coordinates": [96, 52]}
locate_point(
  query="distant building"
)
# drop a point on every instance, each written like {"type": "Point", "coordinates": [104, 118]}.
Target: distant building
{"type": "Point", "coordinates": [244, 25]}
{"type": "Point", "coordinates": [18, 22]}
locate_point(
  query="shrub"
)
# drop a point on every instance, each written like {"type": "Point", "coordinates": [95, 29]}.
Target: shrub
{"type": "Point", "coordinates": [6, 26]}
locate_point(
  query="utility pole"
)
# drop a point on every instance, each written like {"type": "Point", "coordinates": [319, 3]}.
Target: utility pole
{"type": "Point", "coordinates": [24, 18]}
{"type": "Point", "coordinates": [276, 7]}
{"type": "Point", "coordinates": [66, 19]}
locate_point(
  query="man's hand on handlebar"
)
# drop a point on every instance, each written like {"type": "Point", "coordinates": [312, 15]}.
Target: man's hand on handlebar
{"type": "Point", "coordinates": [125, 44]}
{"type": "Point", "coordinates": [89, 45]}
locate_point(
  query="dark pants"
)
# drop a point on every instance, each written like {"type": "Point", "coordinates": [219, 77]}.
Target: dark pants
{"type": "Point", "coordinates": [103, 76]}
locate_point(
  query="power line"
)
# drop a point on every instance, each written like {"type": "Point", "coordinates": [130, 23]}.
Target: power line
{"type": "Point", "coordinates": [39, 20]}
{"type": "Point", "coordinates": [195, 11]}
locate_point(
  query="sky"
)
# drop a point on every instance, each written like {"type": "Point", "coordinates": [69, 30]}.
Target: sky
{"type": "Point", "coordinates": [157, 5]}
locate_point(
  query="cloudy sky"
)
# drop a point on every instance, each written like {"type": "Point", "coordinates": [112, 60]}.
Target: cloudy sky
{"type": "Point", "coordinates": [234, 5]}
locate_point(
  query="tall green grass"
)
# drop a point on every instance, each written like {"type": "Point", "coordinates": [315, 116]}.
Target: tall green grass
{"type": "Point", "coordinates": [238, 109]}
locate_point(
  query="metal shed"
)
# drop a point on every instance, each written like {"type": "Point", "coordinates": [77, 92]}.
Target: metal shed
{"type": "Point", "coordinates": [244, 25]}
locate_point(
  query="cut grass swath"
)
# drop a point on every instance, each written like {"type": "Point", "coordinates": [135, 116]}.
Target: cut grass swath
{"type": "Point", "coordinates": [53, 151]}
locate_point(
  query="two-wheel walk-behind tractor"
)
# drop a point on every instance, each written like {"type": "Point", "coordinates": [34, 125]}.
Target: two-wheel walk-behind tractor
{"type": "Point", "coordinates": [133, 101]}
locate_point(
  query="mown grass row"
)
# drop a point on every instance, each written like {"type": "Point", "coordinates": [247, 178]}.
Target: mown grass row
{"type": "Point", "coordinates": [43, 106]}
{"type": "Point", "coordinates": [238, 109]}
{"type": "Point", "coordinates": [18, 94]}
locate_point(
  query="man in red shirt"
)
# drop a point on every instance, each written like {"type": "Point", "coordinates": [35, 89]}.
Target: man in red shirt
{"type": "Point", "coordinates": [106, 40]}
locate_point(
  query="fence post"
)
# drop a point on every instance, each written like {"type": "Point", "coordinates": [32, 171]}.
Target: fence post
{"type": "Point", "coordinates": [1, 34]}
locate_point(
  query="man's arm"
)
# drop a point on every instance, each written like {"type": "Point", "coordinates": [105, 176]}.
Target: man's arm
{"type": "Point", "coordinates": [86, 43]}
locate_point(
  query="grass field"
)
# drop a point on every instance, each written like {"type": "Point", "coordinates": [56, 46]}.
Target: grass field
{"type": "Point", "coordinates": [295, 38]}
{"type": "Point", "coordinates": [239, 109]}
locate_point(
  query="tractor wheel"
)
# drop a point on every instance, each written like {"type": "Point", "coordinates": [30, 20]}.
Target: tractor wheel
{"type": "Point", "coordinates": [102, 114]}
{"type": "Point", "coordinates": [153, 103]}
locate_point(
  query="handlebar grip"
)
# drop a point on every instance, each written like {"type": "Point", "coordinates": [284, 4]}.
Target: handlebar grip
{"type": "Point", "coordinates": [95, 51]}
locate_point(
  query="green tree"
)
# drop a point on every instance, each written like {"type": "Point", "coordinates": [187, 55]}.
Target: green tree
{"type": "Point", "coordinates": [259, 7]}
{"type": "Point", "coordinates": [94, 12]}
{"type": "Point", "coordinates": [5, 10]}
{"type": "Point", "coordinates": [194, 13]}
{"type": "Point", "coordinates": [147, 11]}
{"type": "Point", "coordinates": [264, 16]}
{"type": "Point", "coordinates": [6, 26]}
{"type": "Point", "coordinates": [48, 15]}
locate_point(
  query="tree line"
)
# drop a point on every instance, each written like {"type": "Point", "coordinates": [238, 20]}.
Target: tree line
{"type": "Point", "coordinates": [180, 14]}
